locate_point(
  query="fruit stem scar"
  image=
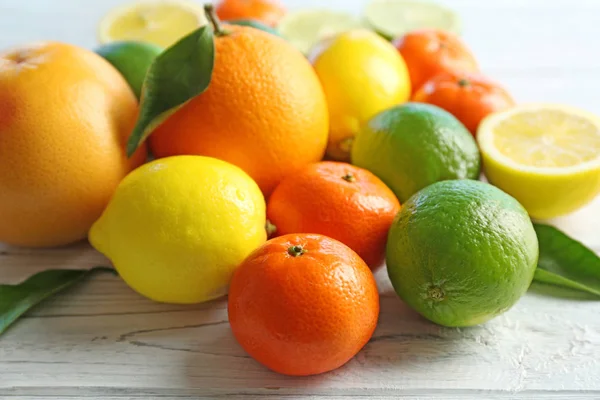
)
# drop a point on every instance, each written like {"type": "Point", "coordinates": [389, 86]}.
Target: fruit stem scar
{"type": "Point", "coordinates": [296, 251]}
{"type": "Point", "coordinates": [435, 293]}
{"type": "Point", "coordinates": [349, 177]}
{"type": "Point", "coordinates": [209, 10]}
{"type": "Point", "coordinates": [270, 228]}
{"type": "Point", "coordinates": [345, 145]}
{"type": "Point", "coordinates": [463, 82]}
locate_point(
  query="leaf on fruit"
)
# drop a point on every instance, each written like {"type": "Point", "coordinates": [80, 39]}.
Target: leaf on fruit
{"type": "Point", "coordinates": [177, 75]}
{"type": "Point", "coordinates": [15, 300]}
{"type": "Point", "coordinates": [566, 262]}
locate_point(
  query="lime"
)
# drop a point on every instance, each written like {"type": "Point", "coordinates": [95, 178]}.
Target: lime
{"type": "Point", "coordinates": [394, 18]}
{"type": "Point", "coordinates": [545, 155]}
{"type": "Point", "coordinates": [305, 28]}
{"type": "Point", "coordinates": [378, 79]}
{"type": "Point", "coordinates": [254, 24]}
{"type": "Point", "coordinates": [414, 145]}
{"type": "Point", "coordinates": [178, 227]}
{"type": "Point", "coordinates": [131, 59]}
{"type": "Point", "coordinates": [461, 252]}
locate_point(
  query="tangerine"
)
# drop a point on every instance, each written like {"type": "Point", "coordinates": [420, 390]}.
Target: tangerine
{"type": "Point", "coordinates": [428, 52]}
{"type": "Point", "coordinates": [338, 200]}
{"type": "Point", "coordinates": [470, 97]}
{"type": "Point", "coordinates": [303, 304]}
{"type": "Point", "coordinates": [268, 12]}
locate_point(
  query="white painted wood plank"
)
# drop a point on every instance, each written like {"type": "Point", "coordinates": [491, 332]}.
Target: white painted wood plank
{"type": "Point", "coordinates": [103, 336]}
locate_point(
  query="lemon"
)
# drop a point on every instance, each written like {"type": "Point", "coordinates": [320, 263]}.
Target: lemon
{"type": "Point", "coordinates": [177, 228]}
{"type": "Point", "coordinates": [394, 18]}
{"type": "Point", "coordinates": [362, 74]}
{"type": "Point", "coordinates": [160, 22]}
{"type": "Point", "coordinates": [546, 156]}
{"type": "Point", "coordinates": [305, 28]}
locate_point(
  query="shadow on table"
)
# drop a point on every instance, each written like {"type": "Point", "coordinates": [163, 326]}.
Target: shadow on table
{"type": "Point", "coordinates": [402, 338]}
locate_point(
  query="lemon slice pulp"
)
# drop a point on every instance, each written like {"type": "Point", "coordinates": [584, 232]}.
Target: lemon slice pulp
{"type": "Point", "coordinates": [547, 156]}
{"type": "Point", "coordinates": [305, 28]}
{"type": "Point", "coordinates": [161, 22]}
{"type": "Point", "coordinates": [393, 18]}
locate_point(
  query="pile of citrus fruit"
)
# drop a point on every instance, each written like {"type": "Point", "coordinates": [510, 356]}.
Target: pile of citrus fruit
{"type": "Point", "coordinates": [323, 145]}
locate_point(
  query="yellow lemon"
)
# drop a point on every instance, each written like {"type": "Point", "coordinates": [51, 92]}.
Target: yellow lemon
{"type": "Point", "coordinates": [177, 228]}
{"type": "Point", "coordinates": [362, 74]}
{"type": "Point", "coordinates": [546, 156]}
{"type": "Point", "coordinates": [161, 22]}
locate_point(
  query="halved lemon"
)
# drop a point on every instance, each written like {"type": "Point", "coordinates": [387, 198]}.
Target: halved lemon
{"type": "Point", "coordinates": [547, 156]}
{"type": "Point", "coordinates": [161, 22]}
{"type": "Point", "coordinates": [394, 18]}
{"type": "Point", "coordinates": [305, 28]}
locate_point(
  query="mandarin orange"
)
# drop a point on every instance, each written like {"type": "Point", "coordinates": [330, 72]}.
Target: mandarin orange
{"type": "Point", "coordinates": [268, 12]}
{"type": "Point", "coordinates": [428, 52]}
{"type": "Point", "coordinates": [303, 304]}
{"type": "Point", "coordinates": [338, 200]}
{"type": "Point", "coordinates": [65, 115]}
{"type": "Point", "coordinates": [470, 97]}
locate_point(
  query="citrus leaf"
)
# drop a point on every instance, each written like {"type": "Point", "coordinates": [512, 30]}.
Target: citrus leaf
{"type": "Point", "coordinates": [177, 75]}
{"type": "Point", "coordinates": [15, 300]}
{"type": "Point", "coordinates": [566, 262]}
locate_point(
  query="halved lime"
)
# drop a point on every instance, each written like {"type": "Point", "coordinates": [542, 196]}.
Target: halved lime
{"type": "Point", "coordinates": [305, 28]}
{"type": "Point", "coordinates": [393, 18]}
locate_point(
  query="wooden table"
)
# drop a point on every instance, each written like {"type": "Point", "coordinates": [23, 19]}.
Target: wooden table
{"type": "Point", "coordinates": [101, 340]}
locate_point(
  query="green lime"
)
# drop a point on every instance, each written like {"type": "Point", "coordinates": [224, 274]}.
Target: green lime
{"type": "Point", "coordinates": [254, 24]}
{"type": "Point", "coordinates": [305, 28]}
{"type": "Point", "coordinates": [132, 59]}
{"type": "Point", "coordinates": [461, 252]}
{"type": "Point", "coordinates": [414, 145]}
{"type": "Point", "coordinates": [393, 18]}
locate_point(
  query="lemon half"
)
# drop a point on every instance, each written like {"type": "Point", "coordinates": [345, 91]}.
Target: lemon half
{"type": "Point", "coordinates": [547, 156]}
{"type": "Point", "coordinates": [305, 28]}
{"type": "Point", "coordinates": [161, 22]}
{"type": "Point", "coordinates": [394, 18]}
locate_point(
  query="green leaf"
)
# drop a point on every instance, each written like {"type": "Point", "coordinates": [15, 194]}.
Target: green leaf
{"type": "Point", "coordinates": [566, 262]}
{"type": "Point", "coordinates": [15, 300]}
{"type": "Point", "coordinates": [177, 75]}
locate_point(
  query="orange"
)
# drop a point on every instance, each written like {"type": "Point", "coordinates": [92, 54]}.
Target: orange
{"type": "Point", "coordinates": [303, 304]}
{"type": "Point", "coordinates": [268, 12]}
{"type": "Point", "coordinates": [65, 115]}
{"type": "Point", "coordinates": [339, 200]}
{"type": "Point", "coordinates": [264, 110]}
{"type": "Point", "coordinates": [428, 52]}
{"type": "Point", "coordinates": [470, 97]}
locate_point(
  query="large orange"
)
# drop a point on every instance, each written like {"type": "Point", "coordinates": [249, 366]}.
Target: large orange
{"type": "Point", "coordinates": [268, 12]}
{"type": "Point", "coordinates": [303, 304]}
{"type": "Point", "coordinates": [339, 200]}
{"type": "Point", "coordinates": [65, 115]}
{"type": "Point", "coordinates": [470, 97]}
{"type": "Point", "coordinates": [428, 52]}
{"type": "Point", "coordinates": [264, 110]}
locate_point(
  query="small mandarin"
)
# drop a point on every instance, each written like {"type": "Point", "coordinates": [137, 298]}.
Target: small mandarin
{"type": "Point", "coordinates": [428, 52]}
{"type": "Point", "coordinates": [268, 12]}
{"type": "Point", "coordinates": [470, 97]}
{"type": "Point", "coordinates": [303, 304]}
{"type": "Point", "coordinates": [339, 200]}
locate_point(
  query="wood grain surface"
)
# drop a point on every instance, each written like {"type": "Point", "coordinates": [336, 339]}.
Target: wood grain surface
{"type": "Point", "coordinates": [101, 340]}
